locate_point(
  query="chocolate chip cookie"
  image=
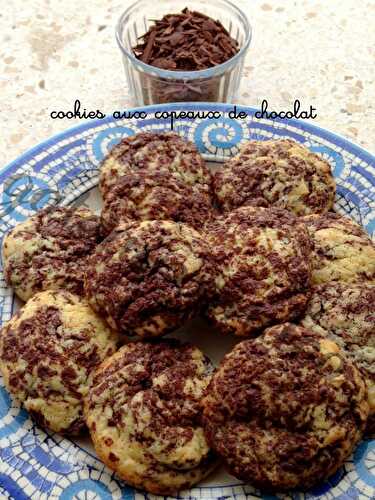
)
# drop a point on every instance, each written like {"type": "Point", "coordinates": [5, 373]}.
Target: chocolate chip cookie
{"type": "Point", "coordinates": [153, 152]}
{"type": "Point", "coordinates": [144, 413]}
{"type": "Point", "coordinates": [342, 250]}
{"type": "Point", "coordinates": [156, 196]}
{"type": "Point", "coordinates": [346, 313]}
{"type": "Point", "coordinates": [49, 250]}
{"type": "Point", "coordinates": [263, 269]}
{"type": "Point", "coordinates": [286, 409]}
{"type": "Point", "coordinates": [147, 278]}
{"type": "Point", "coordinates": [280, 173]}
{"type": "Point", "coordinates": [47, 353]}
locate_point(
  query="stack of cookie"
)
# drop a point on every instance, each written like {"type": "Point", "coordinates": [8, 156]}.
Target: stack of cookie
{"type": "Point", "coordinates": [258, 251]}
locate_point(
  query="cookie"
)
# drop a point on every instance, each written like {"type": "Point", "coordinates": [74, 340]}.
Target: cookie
{"type": "Point", "coordinates": [155, 196]}
{"type": "Point", "coordinates": [280, 173]}
{"type": "Point", "coordinates": [144, 411]}
{"type": "Point", "coordinates": [147, 278]}
{"type": "Point", "coordinates": [47, 353]}
{"type": "Point", "coordinates": [49, 250]}
{"type": "Point", "coordinates": [286, 409]}
{"type": "Point", "coordinates": [263, 270]}
{"type": "Point", "coordinates": [153, 152]}
{"type": "Point", "coordinates": [346, 313]}
{"type": "Point", "coordinates": [342, 250]}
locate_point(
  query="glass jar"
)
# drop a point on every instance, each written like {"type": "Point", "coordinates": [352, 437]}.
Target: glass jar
{"type": "Point", "coordinates": [151, 85]}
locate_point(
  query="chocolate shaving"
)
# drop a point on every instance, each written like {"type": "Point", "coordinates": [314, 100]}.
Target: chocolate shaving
{"type": "Point", "coordinates": [188, 41]}
{"type": "Point", "coordinates": [148, 48]}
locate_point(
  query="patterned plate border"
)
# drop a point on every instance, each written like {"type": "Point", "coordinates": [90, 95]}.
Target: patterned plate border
{"type": "Point", "coordinates": [38, 465]}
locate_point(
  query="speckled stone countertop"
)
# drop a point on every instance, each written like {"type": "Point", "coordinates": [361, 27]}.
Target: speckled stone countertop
{"type": "Point", "coordinates": [53, 52]}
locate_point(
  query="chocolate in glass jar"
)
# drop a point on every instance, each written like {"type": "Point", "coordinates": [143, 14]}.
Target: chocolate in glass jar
{"type": "Point", "coordinates": [188, 41]}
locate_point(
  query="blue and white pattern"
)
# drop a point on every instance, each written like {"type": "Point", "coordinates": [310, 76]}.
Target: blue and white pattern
{"type": "Point", "coordinates": [38, 465]}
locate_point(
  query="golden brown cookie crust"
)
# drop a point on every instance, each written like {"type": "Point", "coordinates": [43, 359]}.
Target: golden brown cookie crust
{"type": "Point", "coordinates": [156, 196]}
{"type": "Point", "coordinates": [342, 250]}
{"type": "Point", "coordinates": [286, 409]}
{"type": "Point", "coordinates": [47, 353]}
{"type": "Point", "coordinates": [49, 250]}
{"type": "Point", "coordinates": [346, 313]}
{"type": "Point", "coordinates": [280, 173]}
{"type": "Point", "coordinates": [152, 152]}
{"type": "Point", "coordinates": [263, 270]}
{"type": "Point", "coordinates": [143, 412]}
{"type": "Point", "coordinates": [148, 278]}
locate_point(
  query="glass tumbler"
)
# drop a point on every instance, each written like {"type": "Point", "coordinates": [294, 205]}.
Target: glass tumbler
{"type": "Point", "coordinates": [151, 85]}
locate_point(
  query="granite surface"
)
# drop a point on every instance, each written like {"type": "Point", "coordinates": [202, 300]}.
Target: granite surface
{"type": "Point", "coordinates": [53, 52]}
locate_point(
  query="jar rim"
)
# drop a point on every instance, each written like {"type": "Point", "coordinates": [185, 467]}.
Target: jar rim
{"type": "Point", "coordinates": [185, 75]}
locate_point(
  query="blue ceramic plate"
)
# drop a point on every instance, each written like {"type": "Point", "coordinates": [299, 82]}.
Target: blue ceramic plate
{"type": "Point", "coordinates": [64, 170]}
